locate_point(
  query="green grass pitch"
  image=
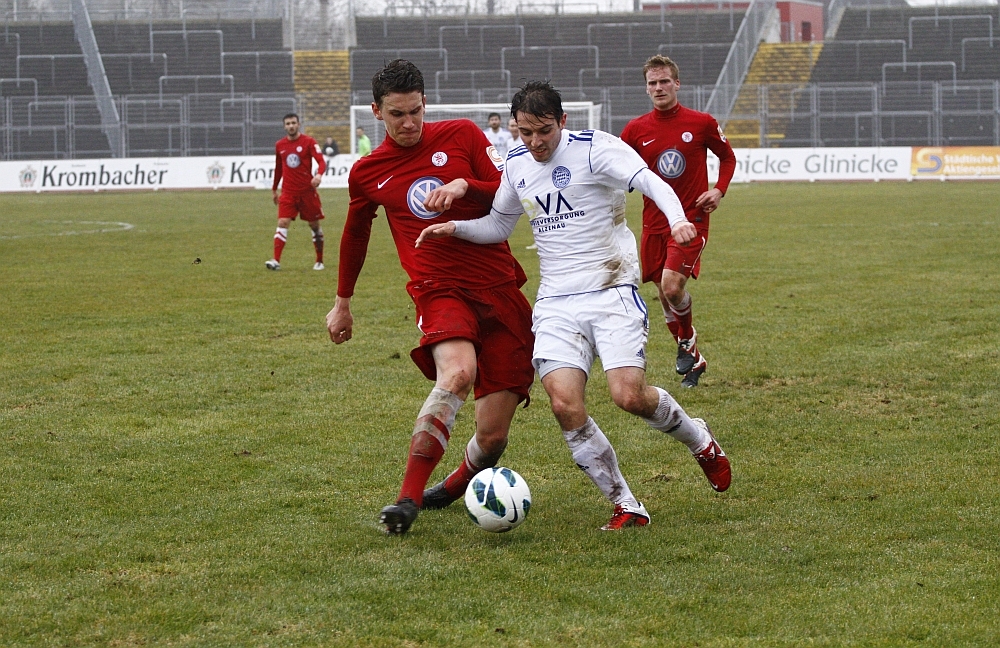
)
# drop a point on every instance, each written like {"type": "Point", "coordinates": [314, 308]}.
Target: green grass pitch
{"type": "Point", "coordinates": [187, 460]}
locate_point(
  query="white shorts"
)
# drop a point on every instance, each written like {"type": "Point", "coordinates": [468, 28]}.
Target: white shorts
{"type": "Point", "coordinates": [574, 330]}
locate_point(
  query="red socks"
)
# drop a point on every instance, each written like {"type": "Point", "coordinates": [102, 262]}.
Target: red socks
{"type": "Point", "coordinates": [682, 315]}
{"type": "Point", "coordinates": [318, 244]}
{"type": "Point", "coordinates": [280, 236]}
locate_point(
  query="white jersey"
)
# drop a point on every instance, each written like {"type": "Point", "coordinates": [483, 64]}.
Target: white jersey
{"type": "Point", "coordinates": [501, 140]}
{"type": "Point", "coordinates": [576, 204]}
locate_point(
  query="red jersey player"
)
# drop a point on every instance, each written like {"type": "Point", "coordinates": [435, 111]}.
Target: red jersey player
{"type": "Point", "coordinates": [475, 323]}
{"type": "Point", "coordinates": [674, 140]}
{"type": "Point", "coordinates": [293, 156]}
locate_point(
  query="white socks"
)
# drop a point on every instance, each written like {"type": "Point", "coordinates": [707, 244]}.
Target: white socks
{"type": "Point", "coordinates": [595, 456]}
{"type": "Point", "coordinates": [673, 420]}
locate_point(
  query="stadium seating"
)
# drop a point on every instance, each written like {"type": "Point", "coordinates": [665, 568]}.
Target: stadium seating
{"type": "Point", "coordinates": [221, 78]}
{"type": "Point", "coordinates": [904, 76]}
{"type": "Point", "coordinates": [870, 38]}
{"type": "Point", "coordinates": [589, 57]}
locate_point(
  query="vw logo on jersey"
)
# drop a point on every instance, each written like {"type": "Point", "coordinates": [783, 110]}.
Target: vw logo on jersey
{"type": "Point", "coordinates": [293, 161]}
{"type": "Point", "coordinates": [561, 177]}
{"type": "Point", "coordinates": [417, 194]}
{"type": "Point", "coordinates": [671, 163]}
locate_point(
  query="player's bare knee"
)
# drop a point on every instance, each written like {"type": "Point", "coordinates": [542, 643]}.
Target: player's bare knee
{"type": "Point", "coordinates": [492, 441]}
{"type": "Point", "coordinates": [457, 380]}
{"type": "Point", "coordinates": [568, 411]}
{"type": "Point", "coordinates": [672, 291]}
{"type": "Point", "coordinates": [632, 401]}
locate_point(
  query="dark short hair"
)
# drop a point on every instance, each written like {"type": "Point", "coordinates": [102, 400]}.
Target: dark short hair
{"type": "Point", "coordinates": [492, 115]}
{"type": "Point", "coordinates": [537, 98]}
{"type": "Point", "coordinates": [398, 75]}
{"type": "Point", "coordinates": [289, 116]}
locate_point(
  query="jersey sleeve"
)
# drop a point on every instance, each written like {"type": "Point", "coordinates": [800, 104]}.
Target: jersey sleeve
{"type": "Point", "coordinates": [719, 145]}
{"type": "Point", "coordinates": [354, 241]}
{"type": "Point", "coordinates": [483, 186]}
{"type": "Point", "coordinates": [506, 201]}
{"type": "Point", "coordinates": [277, 168]}
{"type": "Point", "coordinates": [499, 223]}
{"type": "Point", "coordinates": [317, 154]}
{"type": "Point", "coordinates": [615, 160]}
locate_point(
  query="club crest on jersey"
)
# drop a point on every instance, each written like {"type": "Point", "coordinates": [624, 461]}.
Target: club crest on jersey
{"type": "Point", "coordinates": [417, 194]}
{"type": "Point", "coordinates": [671, 163]}
{"type": "Point", "coordinates": [439, 159]}
{"type": "Point", "coordinates": [687, 136]}
{"type": "Point", "coordinates": [561, 177]}
{"type": "Point", "coordinates": [293, 161]}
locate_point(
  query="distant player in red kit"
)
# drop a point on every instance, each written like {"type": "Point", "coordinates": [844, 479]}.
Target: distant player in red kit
{"type": "Point", "coordinates": [474, 320]}
{"type": "Point", "coordinates": [674, 140]}
{"type": "Point", "coordinates": [293, 156]}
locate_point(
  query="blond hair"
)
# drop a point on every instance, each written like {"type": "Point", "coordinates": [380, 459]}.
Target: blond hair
{"type": "Point", "coordinates": [659, 61]}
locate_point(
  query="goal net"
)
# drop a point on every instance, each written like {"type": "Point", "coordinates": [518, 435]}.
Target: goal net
{"type": "Point", "coordinates": [580, 115]}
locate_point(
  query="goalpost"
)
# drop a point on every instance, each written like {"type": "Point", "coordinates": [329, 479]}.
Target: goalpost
{"type": "Point", "coordinates": [580, 115]}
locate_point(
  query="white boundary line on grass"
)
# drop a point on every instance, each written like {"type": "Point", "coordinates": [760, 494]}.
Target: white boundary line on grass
{"type": "Point", "coordinates": [120, 227]}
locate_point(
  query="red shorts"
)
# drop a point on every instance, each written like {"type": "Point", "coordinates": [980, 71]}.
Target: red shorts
{"type": "Point", "coordinates": [661, 252]}
{"type": "Point", "coordinates": [498, 323]}
{"type": "Point", "coordinates": [304, 203]}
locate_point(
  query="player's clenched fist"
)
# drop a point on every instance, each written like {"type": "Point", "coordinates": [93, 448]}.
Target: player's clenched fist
{"type": "Point", "coordinates": [339, 321]}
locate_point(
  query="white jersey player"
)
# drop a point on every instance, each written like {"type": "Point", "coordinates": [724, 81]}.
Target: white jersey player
{"type": "Point", "coordinates": [572, 187]}
{"type": "Point", "coordinates": [500, 138]}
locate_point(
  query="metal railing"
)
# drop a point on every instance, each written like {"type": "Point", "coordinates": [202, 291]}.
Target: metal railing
{"type": "Point", "coordinates": [98, 78]}
{"type": "Point", "coordinates": [900, 113]}
{"type": "Point", "coordinates": [401, 52]}
{"type": "Point", "coordinates": [504, 78]}
{"type": "Point", "coordinates": [975, 39]}
{"type": "Point", "coordinates": [741, 54]}
{"type": "Point", "coordinates": [951, 20]}
{"type": "Point", "coordinates": [664, 28]}
{"type": "Point", "coordinates": [519, 29]}
{"type": "Point", "coordinates": [549, 50]}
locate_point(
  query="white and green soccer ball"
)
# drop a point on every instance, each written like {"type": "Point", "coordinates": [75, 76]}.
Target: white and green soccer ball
{"type": "Point", "coordinates": [497, 499]}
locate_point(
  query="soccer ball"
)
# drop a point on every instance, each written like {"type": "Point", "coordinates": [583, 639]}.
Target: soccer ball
{"type": "Point", "coordinates": [497, 499]}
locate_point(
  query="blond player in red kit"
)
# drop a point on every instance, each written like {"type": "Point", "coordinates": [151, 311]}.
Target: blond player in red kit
{"type": "Point", "coordinates": [674, 141]}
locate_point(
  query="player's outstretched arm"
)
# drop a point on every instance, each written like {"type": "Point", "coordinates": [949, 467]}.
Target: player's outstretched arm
{"type": "Point", "coordinates": [439, 230]}
{"type": "Point", "coordinates": [340, 321]}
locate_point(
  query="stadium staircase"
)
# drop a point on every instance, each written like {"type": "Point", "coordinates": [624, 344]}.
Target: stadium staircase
{"type": "Point", "coordinates": [778, 69]}
{"type": "Point", "coordinates": [323, 85]}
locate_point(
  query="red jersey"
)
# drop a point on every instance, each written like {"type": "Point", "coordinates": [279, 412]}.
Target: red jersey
{"type": "Point", "coordinates": [674, 143]}
{"type": "Point", "coordinates": [293, 162]}
{"type": "Point", "coordinates": [399, 178]}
